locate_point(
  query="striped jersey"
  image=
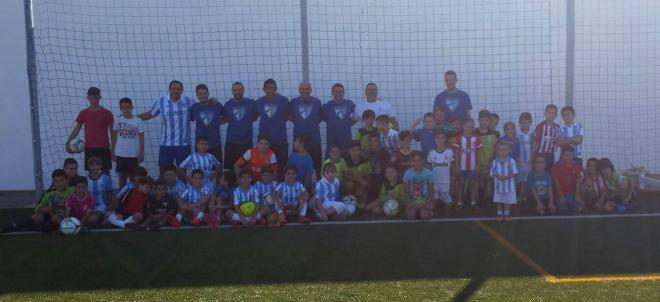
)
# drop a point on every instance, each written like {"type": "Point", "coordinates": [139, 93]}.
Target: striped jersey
{"type": "Point", "coordinates": [507, 167]}
{"type": "Point", "coordinates": [177, 189]}
{"type": "Point", "coordinates": [467, 152]}
{"type": "Point", "coordinates": [193, 195]}
{"type": "Point", "coordinates": [572, 131]}
{"type": "Point", "coordinates": [290, 193]}
{"type": "Point", "coordinates": [544, 137]}
{"type": "Point", "coordinates": [241, 196]}
{"type": "Point", "coordinates": [526, 140]}
{"type": "Point", "coordinates": [265, 188]}
{"type": "Point", "coordinates": [205, 162]}
{"type": "Point", "coordinates": [390, 141]}
{"type": "Point", "coordinates": [327, 191]}
{"type": "Point", "coordinates": [99, 188]}
{"type": "Point", "coordinates": [124, 190]}
{"type": "Point", "coordinates": [175, 130]}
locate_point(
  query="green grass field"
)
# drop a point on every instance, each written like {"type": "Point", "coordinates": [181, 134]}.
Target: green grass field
{"type": "Point", "coordinates": [432, 261]}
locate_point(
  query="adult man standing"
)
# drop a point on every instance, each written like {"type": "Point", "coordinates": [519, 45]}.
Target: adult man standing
{"type": "Point", "coordinates": [338, 114]}
{"type": "Point", "coordinates": [239, 115]}
{"type": "Point", "coordinates": [377, 105]}
{"type": "Point", "coordinates": [175, 131]}
{"type": "Point", "coordinates": [273, 110]}
{"type": "Point", "coordinates": [306, 117]}
{"type": "Point", "coordinates": [456, 102]}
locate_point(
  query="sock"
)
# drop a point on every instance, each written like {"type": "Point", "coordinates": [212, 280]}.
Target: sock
{"type": "Point", "coordinates": [179, 217]}
{"type": "Point", "coordinates": [507, 212]}
{"type": "Point", "coordinates": [128, 220]}
{"type": "Point", "coordinates": [114, 220]}
{"type": "Point", "coordinates": [200, 215]}
{"type": "Point", "coordinates": [235, 217]}
{"type": "Point", "coordinates": [303, 211]}
{"type": "Point", "coordinates": [500, 212]}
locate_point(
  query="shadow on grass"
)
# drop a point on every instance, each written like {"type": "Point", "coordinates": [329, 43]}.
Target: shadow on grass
{"type": "Point", "coordinates": [330, 253]}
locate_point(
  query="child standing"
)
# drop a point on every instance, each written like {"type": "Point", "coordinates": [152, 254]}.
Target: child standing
{"type": "Point", "coordinates": [540, 187]}
{"type": "Point", "coordinates": [303, 162]}
{"type": "Point", "coordinates": [201, 160]}
{"type": "Point", "coordinates": [418, 189]}
{"type": "Point", "coordinates": [70, 169]}
{"type": "Point", "coordinates": [335, 159]}
{"type": "Point", "coordinates": [127, 141]}
{"type": "Point", "coordinates": [292, 196]}
{"type": "Point", "coordinates": [467, 147]}
{"type": "Point", "coordinates": [425, 135]}
{"type": "Point", "coordinates": [504, 171]}
{"type": "Point", "coordinates": [571, 133]}
{"type": "Point", "coordinates": [326, 202]}
{"type": "Point", "coordinates": [98, 126]}
{"type": "Point", "coordinates": [526, 137]}
{"type": "Point", "coordinates": [257, 158]}
{"type": "Point", "coordinates": [440, 160]}
{"type": "Point", "coordinates": [368, 118]}
{"type": "Point", "coordinates": [488, 139]}
{"type": "Point", "coordinates": [511, 138]}
{"type": "Point", "coordinates": [545, 136]}
{"type": "Point", "coordinates": [389, 138]}
{"type": "Point", "coordinates": [566, 174]}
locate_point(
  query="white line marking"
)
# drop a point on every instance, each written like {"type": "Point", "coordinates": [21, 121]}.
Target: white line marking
{"type": "Point", "coordinates": [394, 221]}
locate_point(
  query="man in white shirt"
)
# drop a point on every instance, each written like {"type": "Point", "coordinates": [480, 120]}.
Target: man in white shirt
{"type": "Point", "coordinates": [379, 106]}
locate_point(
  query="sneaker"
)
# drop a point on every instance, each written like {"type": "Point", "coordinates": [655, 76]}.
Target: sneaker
{"type": "Point", "coordinates": [499, 217]}
{"type": "Point", "coordinates": [212, 220]}
{"type": "Point", "coordinates": [235, 222]}
{"type": "Point", "coordinates": [131, 226]}
{"type": "Point", "coordinates": [303, 219]}
{"type": "Point", "coordinates": [474, 206]}
{"type": "Point", "coordinates": [154, 227]}
{"type": "Point", "coordinates": [196, 221]}
{"type": "Point", "coordinates": [507, 218]}
{"type": "Point", "coordinates": [171, 220]}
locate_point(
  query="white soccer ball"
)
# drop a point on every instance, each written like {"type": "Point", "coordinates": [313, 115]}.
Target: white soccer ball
{"type": "Point", "coordinates": [391, 207]}
{"type": "Point", "coordinates": [350, 200]}
{"type": "Point", "coordinates": [70, 226]}
{"type": "Point", "coordinates": [77, 145]}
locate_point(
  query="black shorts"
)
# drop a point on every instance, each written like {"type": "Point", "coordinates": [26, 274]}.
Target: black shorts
{"type": "Point", "coordinates": [233, 152]}
{"type": "Point", "coordinates": [126, 165]}
{"type": "Point", "coordinates": [102, 153]}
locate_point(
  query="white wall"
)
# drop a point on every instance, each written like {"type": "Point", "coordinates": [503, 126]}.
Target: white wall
{"type": "Point", "coordinates": [16, 169]}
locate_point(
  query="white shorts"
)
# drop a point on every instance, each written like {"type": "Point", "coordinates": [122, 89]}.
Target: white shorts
{"type": "Point", "coordinates": [506, 197]}
{"type": "Point", "coordinates": [339, 206]}
{"type": "Point", "coordinates": [441, 192]}
{"type": "Point", "coordinates": [247, 218]}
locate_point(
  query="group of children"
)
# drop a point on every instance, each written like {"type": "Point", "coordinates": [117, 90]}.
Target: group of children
{"type": "Point", "coordinates": [461, 165]}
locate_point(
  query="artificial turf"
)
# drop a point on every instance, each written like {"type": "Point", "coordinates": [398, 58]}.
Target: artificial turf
{"type": "Point", "coordinates": [434, 261]}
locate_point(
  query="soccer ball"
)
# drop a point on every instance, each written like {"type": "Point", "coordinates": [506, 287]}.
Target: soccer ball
{"type": "Point", "coordinates": [70, 226]}
{"type": "Point", "coordinates": [350, 200]}
{"type": "Point", "coordinates": [390, 207]}
{"type": "Point", "coordinates": [77, 145]}
{"type": "Point", "coordinates": [267, 199]}
{"type": "Point", "coordinates": [248, 208]}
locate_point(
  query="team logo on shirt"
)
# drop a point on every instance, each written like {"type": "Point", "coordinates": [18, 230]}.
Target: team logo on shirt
{"type": "Point", "coordinates": [305, 111]}
{"type": "Point", "coordinates": [239, 113]}
{"type": "Point", "coordinates": [452, 104]}
{"type": "Point", "coordinates": [541, 188]}
{"type": "Point", "coordinates": [206, 117]}
{"type": "Point", "coordinates": [270, 109]}
{"type": "Point", "coordinates": [341, 111]}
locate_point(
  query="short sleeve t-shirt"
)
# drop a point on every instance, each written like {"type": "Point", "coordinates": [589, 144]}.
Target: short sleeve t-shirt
{"type": "Point", "coordinates": [392, 191]}
{"type": "Point", "coordinates": [455, 104]}
{"type": "Point", "coordinates": [566, 175]}
{"type": "Point", "coordinates": [441, 165]}
{"type": "Point", "coordinates": [426, 138]}
{"type": "Point", "coordinates": [379, 107]}
{"type": "Point", "coordinates": [304, 165]}
{"type": "Point", "coordinates": [256, 161]}
{"type": "Point", "coordinates": [205, 162]}
{"type": "Point", "coordinates": [290, 193]}
{"type": "Point", "coordinates": [99, 187]}
{"type": "Point", "coordinates": [542, 184]}
{"type": "Point", "coordinates": [79, 207]}
{"type": "Point", "coordinates": [165, 205]}
{"type": "Point", "coordinates": [128, 136]}
{"type": "Point", "coordinates": [207, 121]}
{"type": "Point", "coordinates": [306, 117]}
{"type": "Point", "coordinates": [240, 115]}
{"type": "Point", "coordinates": [488, 141]}
{"type": "Point", "coordinates": [175, 130]}
{"type": "Point", "coordinates": [273, 114]}
{"type": "Point", "coordinates": [418, 182]}
{"type": "Point", "coordinates": [97, 125]}
{"type": "Point", "coordinates": [54, 199]}
{"type": "Point", "coordinates": [339, 119]}
{"type": "Point", "coordinates": [570, 131]}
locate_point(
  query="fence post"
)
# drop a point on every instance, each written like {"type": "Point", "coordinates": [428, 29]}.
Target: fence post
{"type": "Point", "coordinates": [34, 101]}
{"type": "Point", "coordinates": [570, 52]}
{"type": "Point", "coordinates": [304, 39]}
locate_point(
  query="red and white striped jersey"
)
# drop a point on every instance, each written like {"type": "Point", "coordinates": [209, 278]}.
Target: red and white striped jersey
{"type": "Point", "coordinates": [544, 136]}
{"type": "Point", "coordinates": [467, 152]}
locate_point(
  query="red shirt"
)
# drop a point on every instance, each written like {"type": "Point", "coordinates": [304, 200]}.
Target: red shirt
{"type": "Point", "coordinates": [544, 137]}
{"type": "Point", "coordinates": [566, 175]}
{"type": "Point", "coordinates": [256, 161]}
{"type": "Point", "coordinates": [135, 202]}
{"type": "Point", "coordinates": [97, 124]}
{"type": "Point", "coordinates": [79, 207]}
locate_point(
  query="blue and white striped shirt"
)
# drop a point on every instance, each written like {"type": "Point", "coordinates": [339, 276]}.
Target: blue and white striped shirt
{"type": "Point", "coordinates": [191, 195]}
{"type": "Point", "coordinates": [572, 131]}
{"type": "Point", "coordinates": [507, 167]}
{"type": "Point", "coordinates": [328, 191]}
{"type": "Point", "coordinates": [290, 193]}
{"type": "Point", "coordinates": [265, 188]}
{"type": "Point", "coordinates": [175, 130]}
{"type": "Point", "coordinates": [99, 188]}
{"type": "Point", "coordinates": [127, 187]}
{"type": "Point", "coordinates": [205, 162]}
{"type": "Point", "coordinates": [390, 142]}
{"type": "Point", "coordinates": [177, 189]}
{"type": "Point", "coordinates": [526, 140]}
{"type": "Point", "coordinates": [241, 196]}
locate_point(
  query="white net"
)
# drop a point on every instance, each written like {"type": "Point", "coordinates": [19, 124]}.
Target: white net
{"type": "Point", "coordinates": [509, 56]}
